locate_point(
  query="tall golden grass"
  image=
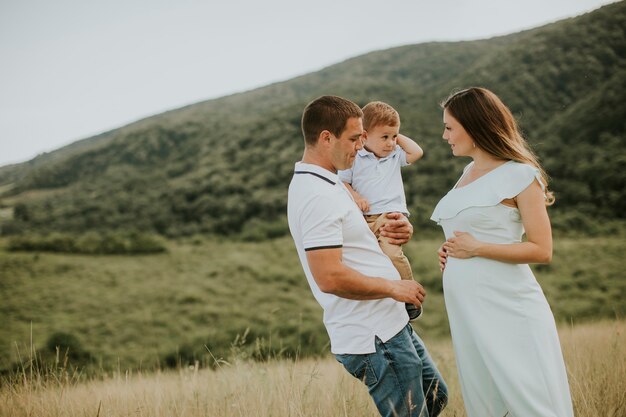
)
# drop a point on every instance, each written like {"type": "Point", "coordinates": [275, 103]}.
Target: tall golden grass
{"type": "Point", "coordinates": [595, 354]}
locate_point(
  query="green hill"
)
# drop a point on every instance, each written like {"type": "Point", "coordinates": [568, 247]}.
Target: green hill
{"type": "Point", "coordinates": [222, 166]}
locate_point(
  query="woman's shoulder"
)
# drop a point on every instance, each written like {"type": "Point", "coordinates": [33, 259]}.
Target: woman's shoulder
{"type": "Point", "coordinates": [520, 167]}
{"type": "Point", "coordinates": [515, 176]}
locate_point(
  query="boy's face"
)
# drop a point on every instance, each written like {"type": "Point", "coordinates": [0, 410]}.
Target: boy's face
{"type": "Point", "coordinates": [381, 140]}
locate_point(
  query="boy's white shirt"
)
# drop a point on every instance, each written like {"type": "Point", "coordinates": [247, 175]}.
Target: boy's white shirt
{"type": "Point", "coordinates": [379, 181]}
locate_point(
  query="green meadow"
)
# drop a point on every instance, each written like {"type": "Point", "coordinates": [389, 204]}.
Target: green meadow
{"type": "Point", "coordinates": [206, 300]}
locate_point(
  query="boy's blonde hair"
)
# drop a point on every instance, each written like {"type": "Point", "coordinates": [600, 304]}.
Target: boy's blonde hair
{"type": "Point", "coordinates": [377, 113]}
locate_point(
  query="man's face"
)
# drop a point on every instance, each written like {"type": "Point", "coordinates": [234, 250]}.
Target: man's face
{"type": "Point", "coordinates": [381, 140]}
{"type": "Point", "coordinates": [345, 147]}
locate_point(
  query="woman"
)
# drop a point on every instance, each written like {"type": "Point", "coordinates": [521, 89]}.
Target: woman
{"type": "Point", "coordinates": [505, 339]}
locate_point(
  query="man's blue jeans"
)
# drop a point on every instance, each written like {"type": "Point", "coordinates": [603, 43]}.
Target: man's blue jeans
{"type": "Point", "coordinates": [401, 377]}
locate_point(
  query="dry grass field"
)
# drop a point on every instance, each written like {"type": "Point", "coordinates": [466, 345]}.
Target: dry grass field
{"type": "Point", "coordinates": [595, 354]}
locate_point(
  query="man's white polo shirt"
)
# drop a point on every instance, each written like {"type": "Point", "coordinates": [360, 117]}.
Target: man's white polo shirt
{"type": "Point", "coordinates": [322, 214]}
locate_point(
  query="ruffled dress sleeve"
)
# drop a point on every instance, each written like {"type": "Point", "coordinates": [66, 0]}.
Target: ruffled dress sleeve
{"type": "Point", "coordinates": [504, 182]}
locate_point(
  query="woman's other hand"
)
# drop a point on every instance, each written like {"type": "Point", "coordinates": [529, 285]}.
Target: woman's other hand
{"type": "Point", "coordinates": [443, 258]}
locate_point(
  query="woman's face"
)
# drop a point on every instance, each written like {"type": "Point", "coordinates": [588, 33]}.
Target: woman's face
{"type": "Point", "coordinates": [459, 140]}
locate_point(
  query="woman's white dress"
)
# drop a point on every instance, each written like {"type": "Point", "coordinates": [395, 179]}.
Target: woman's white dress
{"type": "Point", "coordinates": [505, 340]}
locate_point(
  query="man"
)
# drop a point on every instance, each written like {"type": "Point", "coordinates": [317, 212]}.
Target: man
{"type": "Point", "coordinates": [354, 282]}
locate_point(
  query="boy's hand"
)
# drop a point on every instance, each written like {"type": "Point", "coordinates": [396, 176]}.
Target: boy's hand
{"type": "Point", "coordinates": [363, 204]}
{"type": "Point", "coordinates": [412, 149]}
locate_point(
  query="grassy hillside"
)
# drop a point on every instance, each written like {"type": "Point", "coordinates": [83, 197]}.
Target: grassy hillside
{"type": "Point", "coordinates": [595, 357]}
{"type": "Point", "coordinates": [159, 310]}
{"type": "Point", "coordinates": [222, 166]}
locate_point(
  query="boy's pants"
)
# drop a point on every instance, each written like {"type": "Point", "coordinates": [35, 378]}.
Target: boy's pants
{"type": "Point", "coordinates": [394, 252]}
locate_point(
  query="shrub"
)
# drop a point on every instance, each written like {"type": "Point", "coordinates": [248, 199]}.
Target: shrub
{"type": "Point", "coordinates": [69, 345]}
{"type": "Point", "coordinates": [113, 243]}
{"type": "Point", "coordinates": [256, 230]}
{"type": "Point", "coordinates": [182, 356]}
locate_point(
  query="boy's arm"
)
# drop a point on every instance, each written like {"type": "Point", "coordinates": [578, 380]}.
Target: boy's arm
{"type": "Point", "coordinates": [412, 149]}
{"type": "Point", "coordinates": [363, 204]}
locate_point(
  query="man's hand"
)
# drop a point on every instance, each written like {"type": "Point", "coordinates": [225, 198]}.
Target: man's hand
{"type": "Point", "coordinates": [399, 230]}
{"type": "Point", "coordinates": [408, 291]}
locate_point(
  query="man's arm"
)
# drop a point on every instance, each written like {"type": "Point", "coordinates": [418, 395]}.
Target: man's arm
{"type": "Point", "coordinates": [412, 149]}
{"type": "Point", "coordinates": [333, 277]}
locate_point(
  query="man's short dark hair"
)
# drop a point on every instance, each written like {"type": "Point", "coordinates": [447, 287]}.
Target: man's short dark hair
{"type": "Point", "coordinates": [327, 113]}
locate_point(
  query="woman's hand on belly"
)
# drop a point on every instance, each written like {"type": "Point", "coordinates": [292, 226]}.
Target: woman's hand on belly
{"type": "Point", "coordinates": [463, 245]}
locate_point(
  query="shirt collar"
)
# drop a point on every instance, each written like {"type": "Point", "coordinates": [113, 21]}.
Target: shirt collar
{"type": "Point", "coordinates": [364, 153]}
{"type": "Point", "coordinates": [317, 170]}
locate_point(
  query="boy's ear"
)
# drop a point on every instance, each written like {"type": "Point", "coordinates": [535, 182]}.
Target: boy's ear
{"type": "Point", "coordinates": [364, 136]}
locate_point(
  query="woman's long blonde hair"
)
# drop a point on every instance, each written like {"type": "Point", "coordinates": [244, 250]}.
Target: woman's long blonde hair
{"type": "Point", "coordinates": [493, 128]}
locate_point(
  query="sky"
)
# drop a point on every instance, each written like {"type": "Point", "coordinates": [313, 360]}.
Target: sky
{"type": "Point", "coordinates": [71, 69]}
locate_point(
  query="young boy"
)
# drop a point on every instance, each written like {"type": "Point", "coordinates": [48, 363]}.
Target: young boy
{"type": "Point", "coordinates": [375, 180]}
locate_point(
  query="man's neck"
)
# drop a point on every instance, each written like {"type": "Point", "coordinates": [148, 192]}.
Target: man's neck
{"type": "Point", "coordinates": [313, 158]}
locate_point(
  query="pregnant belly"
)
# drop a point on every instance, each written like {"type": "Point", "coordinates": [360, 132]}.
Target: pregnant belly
{"type": "Point", "coordinates": [486, 272]}
{"type": "Point", "coordinates": [480, 280]}
{"type": "Point", "coordinates": [459, 276]}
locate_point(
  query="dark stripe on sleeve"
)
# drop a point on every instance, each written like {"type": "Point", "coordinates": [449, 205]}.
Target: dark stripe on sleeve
{"type": "Point", "coordinates": [317, 175]}
{"type": "Point", "coordinates": [323, 247]}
